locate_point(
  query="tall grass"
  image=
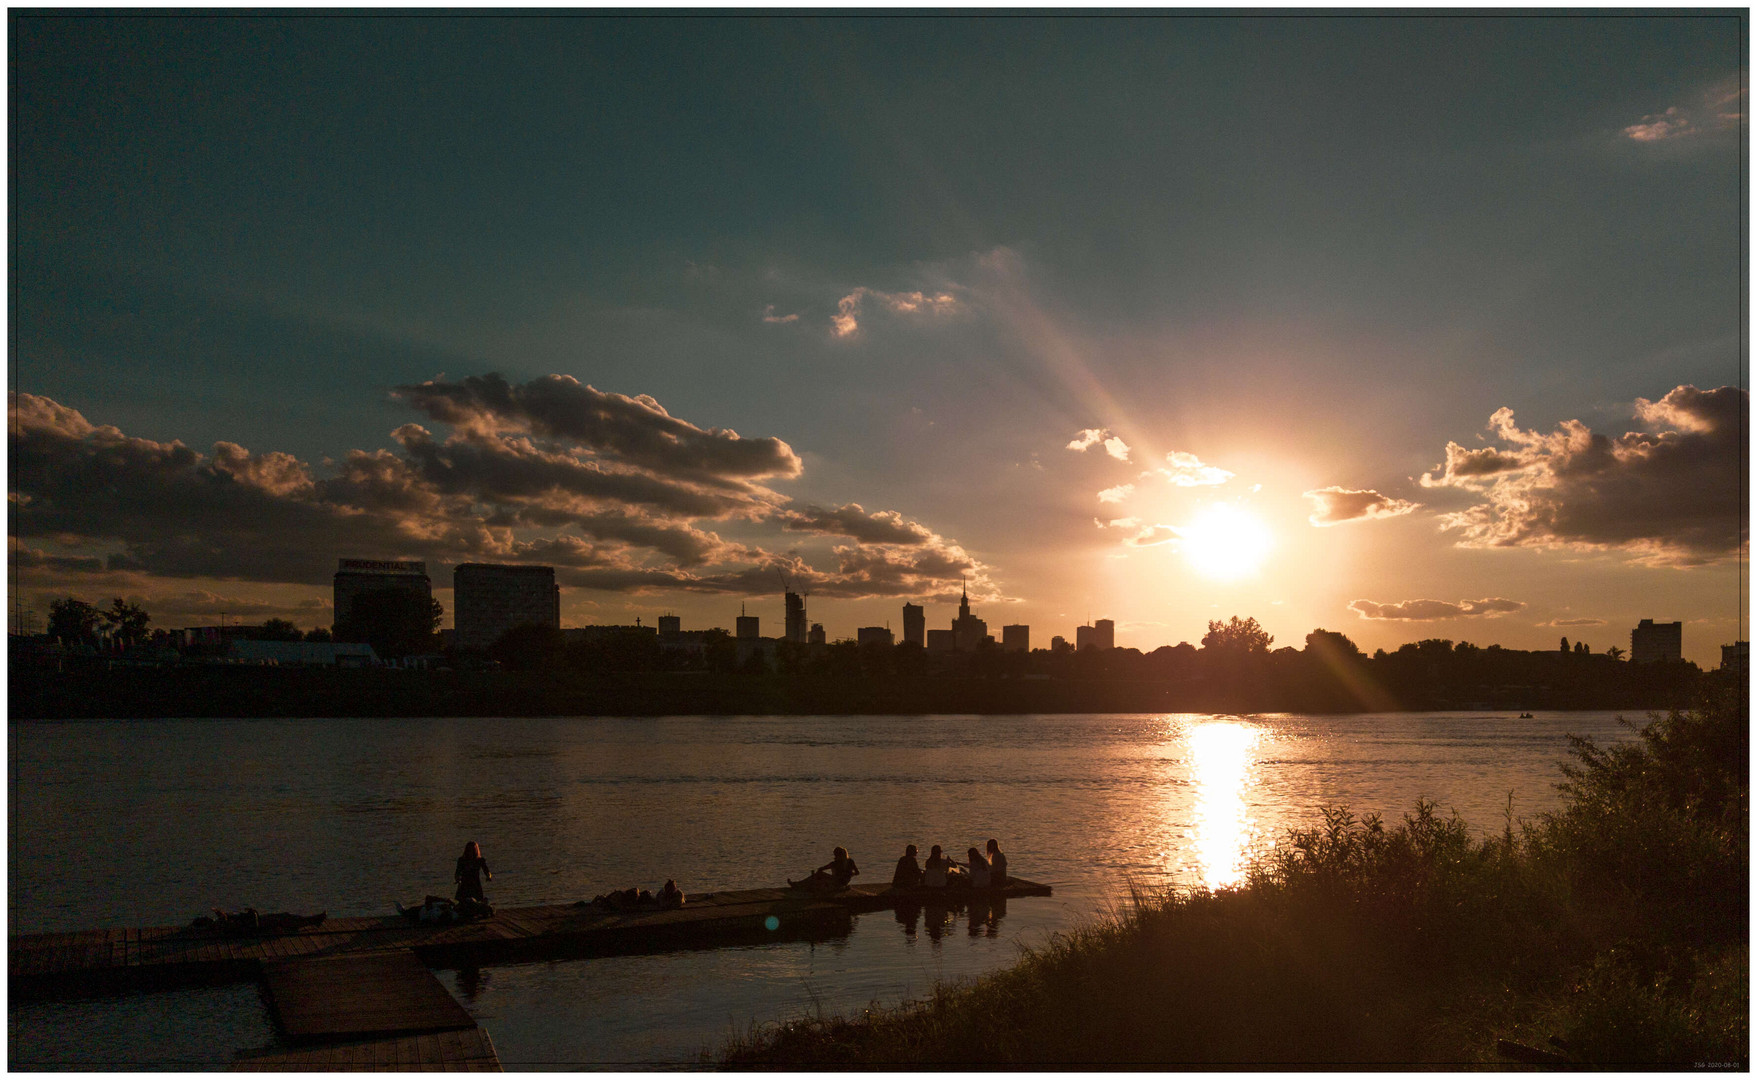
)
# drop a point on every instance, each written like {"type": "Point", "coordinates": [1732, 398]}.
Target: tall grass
{"type": "Point", "coordinates": [1613, 932]}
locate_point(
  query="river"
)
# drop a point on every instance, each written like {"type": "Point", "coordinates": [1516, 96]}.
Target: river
{"type": "Point", "coordinates": [151, 822]}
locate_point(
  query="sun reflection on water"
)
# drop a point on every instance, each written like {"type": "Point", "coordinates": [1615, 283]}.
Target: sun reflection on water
{"type": "Point", "coordinates": [1221, 758]}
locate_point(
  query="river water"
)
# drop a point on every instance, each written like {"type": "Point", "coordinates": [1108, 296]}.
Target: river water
{"type": "Point", "coordinates": [151, 822]}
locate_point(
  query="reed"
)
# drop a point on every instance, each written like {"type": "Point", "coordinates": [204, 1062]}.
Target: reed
{"type": "Point", "coordinates": [1612, 932]}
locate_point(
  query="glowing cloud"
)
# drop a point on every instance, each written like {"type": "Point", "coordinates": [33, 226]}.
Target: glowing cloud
{"type": "Point", "coordinates": [1666, 497]}
{"type": "Point", "coordinates": [1116, 494]}
{"type": "Point", "coordinates": [1435, 610]}
{"type": "Point", "coordinates": [1335, 505]}
{"type": "Point", "coordinates": [847, 318]}
{"type": "Point", "coordinates": [1187, 470]}
{"type": "Point", "coordinates": [1113, 444]}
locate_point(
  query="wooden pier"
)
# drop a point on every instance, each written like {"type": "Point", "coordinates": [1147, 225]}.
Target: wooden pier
{"type": "Point", "coordinates": [156, 958]}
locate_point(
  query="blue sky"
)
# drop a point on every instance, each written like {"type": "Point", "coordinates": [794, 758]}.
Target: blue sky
{"type": "Point", "coordinates": [925, 256]}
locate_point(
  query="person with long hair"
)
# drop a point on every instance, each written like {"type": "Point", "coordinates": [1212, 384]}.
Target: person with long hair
{"type": "Point", "coordinates": [471, 869]}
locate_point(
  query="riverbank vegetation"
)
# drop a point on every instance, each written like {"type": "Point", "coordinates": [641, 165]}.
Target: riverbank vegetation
{"type": "Point", "coordinates": [1612, 932]}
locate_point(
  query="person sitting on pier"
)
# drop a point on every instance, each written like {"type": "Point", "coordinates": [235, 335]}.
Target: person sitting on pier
{"type": "Point", "coordinates": [471, 867]}
{"type": "Point", "coordinates": [997, 862]}
{"type": "Point", "coordinates": [670, 897]}
{"type": "Point", "coordinates": [937, 865]}
{"type": "Point", "coordinates": [981, 874]}
{"type": "Point", "coordinates": [908, 872]}
{"type": "Point", "coordinates": [832, 876]}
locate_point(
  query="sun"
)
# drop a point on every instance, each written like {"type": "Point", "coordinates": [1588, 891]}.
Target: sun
{"type": "Point", "coordinates": [1225, 543]}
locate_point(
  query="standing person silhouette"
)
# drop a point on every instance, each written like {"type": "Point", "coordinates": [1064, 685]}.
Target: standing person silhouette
{"type": "Point", "coordinates": [471, 867]}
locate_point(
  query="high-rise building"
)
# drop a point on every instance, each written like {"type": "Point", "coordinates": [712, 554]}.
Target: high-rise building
{"type": "Point", "coordinates": [968, 632]}
{"type": "Point", "coordinates": [795, 626]}
{"type": "Point", "coordinates": [670, 625]}
{"type": "Point", "coordinates": [873, 635]}
{"type": "Point", "coordinates": [489, 600]}
{"type": "Point", "coordinates": [1651, 642]}
{"type": "Point", "coordinates": [914, 624]}
{"type": "Point", "coordinates": [1085, 638]}
{"type": "Point", "coordinates": [1104, 634]}
{"type": "Point", "coordinates": [747, 625]}
{"type": "Point", "coordinates": [356, 576]}
{"type": "Point", "coordinates": [815, 636]}
{"type": "Point", "coordinates": [1016, 638]}
{"type": "Point", "coordinates": [1736, 657]}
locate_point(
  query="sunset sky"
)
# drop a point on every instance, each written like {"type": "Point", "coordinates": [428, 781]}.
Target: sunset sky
{"type": "Point", "coordinates": [1400, 327]}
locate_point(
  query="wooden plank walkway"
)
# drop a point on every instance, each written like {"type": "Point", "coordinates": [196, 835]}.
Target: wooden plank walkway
{"type": "Point", "coordinates": [380, 993]}
{"type": "Point", "coordinates": [127, 960]}
{"type": "Point", "coordinates": [441, 1051]}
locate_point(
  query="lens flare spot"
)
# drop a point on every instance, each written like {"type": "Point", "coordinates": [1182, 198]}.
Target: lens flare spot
{"type": "Point", "coordinates": [771, 923]}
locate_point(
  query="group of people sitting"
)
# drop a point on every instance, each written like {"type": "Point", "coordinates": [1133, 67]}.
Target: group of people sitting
{"type": "Point", "coordinates": [941, 872]}
{"type": "Point", "coordinates": [438, 911]}
{"type": "Point", "coordinates": [668, 898]}
{"type": "Point", "coordinates": [979, 871]}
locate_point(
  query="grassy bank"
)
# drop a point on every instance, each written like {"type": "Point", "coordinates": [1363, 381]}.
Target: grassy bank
{"type": "Point", "coordinates": [1612, 932]}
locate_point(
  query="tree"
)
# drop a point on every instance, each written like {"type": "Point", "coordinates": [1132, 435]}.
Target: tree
{"type": "Point", "coordinates": [1331, 645]}
{"type": "Point", "coordinates": [1565, 649]}
{"type": "Point", "coordinates": [318, 633]}
{"type": "Point", "coordinates": [530, 648]}
{"type": "Point", "coordinates": [126, 622]}
{"type": "Point", "coordinates": [74, 622]}
{"type": "Point", "coordinates": [395, 622]}
{"type": "Point", "coordinates": [1614, 653]}
{"type": "Point", "coordinates": [277, 630]}
{"type": "Point", "coordinates": [1243, 636]}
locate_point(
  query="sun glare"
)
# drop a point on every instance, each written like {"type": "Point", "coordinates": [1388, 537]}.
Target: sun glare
{"type": "Point", "coordinates": [1225, 542]}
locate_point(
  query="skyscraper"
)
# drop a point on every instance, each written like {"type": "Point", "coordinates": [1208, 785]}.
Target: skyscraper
{"type": "Point", "coordinates": [489, 600]}
{"type": "Point", "coordinates": [1016, 638]}
{"type": "Point", "coordinates": [795, 618]}
{"type": "Point", "coordinates": [914, 624]}
{"type": "Point", "coordinates": [1651, 642]}
{"type": "Point", "coordinates": [968, 631]}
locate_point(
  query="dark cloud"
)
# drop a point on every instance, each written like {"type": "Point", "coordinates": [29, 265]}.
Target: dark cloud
{"type": "Point", "coordinates": [33, 559]}
{"type": "Point", "coordinates": [168, 511]}
{"type": "Point", "coordinates": [1335, 505]}
{"type": "Point", "coordinates": [852, 521]}
{"type": "Point", "coordinates": [636, 431]}
{"type": "Point", "coordinates": [1435, 610]}
{"type": "Point", "coordinates": [1674, 495]}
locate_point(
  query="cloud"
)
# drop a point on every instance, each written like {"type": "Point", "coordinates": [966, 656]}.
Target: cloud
{"type": "Point", "coordinates": [1153, 536]}
{"type": "Point", "coordinates": [1434, 610]}
{"type": "Point", "coordinates": [1116, 494]}
{"type": "Point", "coordinates": [848, 309]}
{"type": "Point", "coordinates": [632, 431]}
{"type": "Point", "coordinates": [1186, 470]}
{"type": "Point", "coordinates": [852, 520]}
{"type": "Point", "coordinates": [1575, 622]}
{"type": "Point", "coordinates": [769, 316]}
{"type": "Point", "coordinates": [612, 490]}
{"type": "Point", "coordinates": [1720, 108]}
{"type": "Point", "coordinates": [1671, 124]}
{"type": "Point", "coordinates": [1673, 495]}
{"type": "Point", "coordinates": [1113, 444]}
{"type": "Point", "coordinates": [1335, 505]}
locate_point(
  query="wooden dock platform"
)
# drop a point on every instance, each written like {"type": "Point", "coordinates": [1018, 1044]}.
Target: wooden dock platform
{"type": "Point", "coordinates": [125, 960]}
{"type": "Point", "coordinates": [379, 993]}
{"type": "Point", "coordinates": [441, 1051]}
